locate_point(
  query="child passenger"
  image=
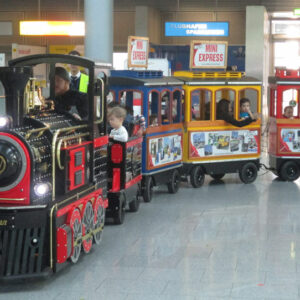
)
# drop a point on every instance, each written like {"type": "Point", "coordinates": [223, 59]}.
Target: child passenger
{"type": "Point", "coordinates": [245, 109]}
{"type": "Point", "coordinates": [153, 121]}
{"type": "Point", "coordinates": [116, 116]}
{"type": "Point", "coordinates": [288, 112]}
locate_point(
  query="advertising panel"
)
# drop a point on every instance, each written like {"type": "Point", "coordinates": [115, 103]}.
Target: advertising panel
{"type": "Point", "coordinates": [289, 141]}
{"type": "Point", "coordinates": [196, 29]}
{"type": "Point", "coordinates": [24, 50]}
{"type": "Point", "coordinates": [66, 49]}
{"type": "Point", "coordinates": [138, 48]}
{"type": "Point", "coordinates": [206, 54]}
{"type": "Point", "coordinates": [164, 150]}
{"type": "Point", "coordinates": [223, 143]}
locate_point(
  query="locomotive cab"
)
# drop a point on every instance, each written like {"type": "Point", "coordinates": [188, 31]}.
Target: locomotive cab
{"type": "Point", "coordinates": [284, 128]}
{"type": "Point", "coordinates": [53, 190]}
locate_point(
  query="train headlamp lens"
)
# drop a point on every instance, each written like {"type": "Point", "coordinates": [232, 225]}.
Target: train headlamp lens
{"type": "Point", "coordinates": [3, 121]}
{"type": "Point", "coordinates": [41, 189]}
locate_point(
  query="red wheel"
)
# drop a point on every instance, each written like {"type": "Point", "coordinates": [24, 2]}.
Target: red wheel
{"type": "Point", "coordinates": [75, 224]}
{"type": "Point", "coordinates": [99, 219]}
{"type": "Point", "coordinates": [87, 227]}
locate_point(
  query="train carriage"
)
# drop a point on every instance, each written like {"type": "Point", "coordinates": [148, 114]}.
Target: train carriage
{"type": "Point", "coordinates": [284, 131]}
{"type": "Point", "coordinates": [159, 100]}
{"type": "Point", "coordinates": [53, 171]}
{"type": "Point", "coordinates": [213, 146]}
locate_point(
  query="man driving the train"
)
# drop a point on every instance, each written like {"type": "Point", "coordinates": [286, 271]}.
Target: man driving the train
{"type": "Point", "coordinates": [67, 100]}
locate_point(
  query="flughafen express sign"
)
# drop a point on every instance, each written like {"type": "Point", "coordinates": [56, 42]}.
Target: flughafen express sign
{"type": "Point", "coordinates": [196, 29]}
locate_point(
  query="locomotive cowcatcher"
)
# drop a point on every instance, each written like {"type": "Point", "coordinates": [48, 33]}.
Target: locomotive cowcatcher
{"type": "Point", "coordinates": [53, 170]}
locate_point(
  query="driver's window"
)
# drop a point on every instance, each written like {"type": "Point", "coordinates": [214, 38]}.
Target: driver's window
{"type": "Point", "coordinates": [2, 100]}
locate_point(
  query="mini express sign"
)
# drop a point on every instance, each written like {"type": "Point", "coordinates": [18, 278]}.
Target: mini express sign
{"type": "Point", "coordinates": [208, 54]}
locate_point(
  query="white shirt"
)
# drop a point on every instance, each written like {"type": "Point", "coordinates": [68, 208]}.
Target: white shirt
{"type": "Point", "coordinates": [77, 75]}
{"type": "Point", "coordinates": [119, 134]}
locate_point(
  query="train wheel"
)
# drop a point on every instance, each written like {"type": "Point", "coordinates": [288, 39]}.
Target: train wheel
{"type": "Point", "coordinates": [134, 204]}
{"type": "Point", "coordinates": [87, 227]}
{"type": "Point", "coordinates": [76, 226]}
{"type": "Point", "coordinates": [148, 189]}
{"type": "Point", "coordinates": [99, 220]}
{"type": "Point", "coordinates": [174, 183]}
{"type": "Point", "coordinates": [119, 215]}
{"type": "Point", "coordinates": [197, 177]}
{"type": "Point", "coordinates": [217, 176]}
{"type": "Point", "coordinates": [289, 171]}
{"type": "Point", "coordinates": [248, 172]}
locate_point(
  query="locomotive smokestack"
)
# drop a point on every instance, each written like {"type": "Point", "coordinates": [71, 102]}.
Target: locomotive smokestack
{"type": "Point", "coordinates": [14, 81]}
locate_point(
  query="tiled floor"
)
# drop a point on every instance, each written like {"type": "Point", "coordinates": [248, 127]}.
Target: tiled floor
{"type": "Point", "coordinates": [226, 240]}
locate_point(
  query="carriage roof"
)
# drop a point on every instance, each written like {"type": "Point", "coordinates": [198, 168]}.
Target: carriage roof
{"type": "Point", "coordinates": [141, 78]}
{"type": "Point", "coordinates": [216, 78]}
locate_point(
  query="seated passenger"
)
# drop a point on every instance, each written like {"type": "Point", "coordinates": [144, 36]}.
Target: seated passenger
{"type": "Point", "coordinates": [67, 100]}
{"type": "Point", "coordinates": [153, 121]}
{"type": "Point", "coordinates": [245, 109]}
{"type": "Point", "coordinates": [116, 118]}
{"type": "Point", "coordinates": [223, 113]}
{"type": "Point", "coordinates": [288, 112]}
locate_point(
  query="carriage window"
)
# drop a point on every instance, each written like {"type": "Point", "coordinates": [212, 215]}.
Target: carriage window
{"type": "Point", "coordinates": [111, 97]}
{"type": "Point", "coordinates": [248, 98]}
{"type": "Point", "coordinates": [165, 107]}
{"type": "Point", "coordinates": [132, 101]}
{"type": "Point", "coordinates": [153, 115]}
{"type": "Point", "coordinates": [200, 105]}
{"type": "Point", "coordinates": [176, 106]}
{"type": "Point", "coordinates": [228, 95]}
{"type": "Point", "coordinates": [2, 100]}
{"type": "Point", "coordinates": [290, 100]}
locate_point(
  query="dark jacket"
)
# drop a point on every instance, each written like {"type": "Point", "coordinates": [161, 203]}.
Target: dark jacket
{"type": "Point", "coordinates": [229, 119]}
{"type": "Point", "coordinates": [72, 98]}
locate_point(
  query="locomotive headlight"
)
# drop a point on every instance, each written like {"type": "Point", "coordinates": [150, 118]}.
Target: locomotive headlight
{"type": "Point", "coordinates": [5, 121]}
{"type": "Point", "coordinates": [42, 188]}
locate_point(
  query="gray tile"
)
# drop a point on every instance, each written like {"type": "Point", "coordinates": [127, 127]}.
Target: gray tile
{"type": "Point", "coordinates": [188, 274]}
{"type": "Point", "coordinates": [150, 287]}
{"type": "Point", "coordinates": [264, 291]}
{"type": "Point", "coordinates": [197, 289]}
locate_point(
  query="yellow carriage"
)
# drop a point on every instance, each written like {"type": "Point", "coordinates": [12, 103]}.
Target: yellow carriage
{"type": "Point", "coordinates": [213, 146]}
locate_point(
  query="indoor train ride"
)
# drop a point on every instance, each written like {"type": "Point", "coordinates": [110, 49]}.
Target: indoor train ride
{"type": "Point", "coordinates": [213, 146]}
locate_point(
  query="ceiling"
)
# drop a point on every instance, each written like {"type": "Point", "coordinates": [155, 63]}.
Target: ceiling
{"type": "Point", "coordinates": [164, 5]}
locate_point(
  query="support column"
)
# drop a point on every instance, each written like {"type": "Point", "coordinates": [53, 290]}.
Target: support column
{"type": "Point", "coordinates": [257, 48]}
{"type": "Point", "coordinates": [141, 21]}
{"type": "Point", "coordinates": [98, 15]}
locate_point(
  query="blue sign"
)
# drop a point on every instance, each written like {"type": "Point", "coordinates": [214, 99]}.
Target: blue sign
{"type": "Point", "coordinates": [196, 29]}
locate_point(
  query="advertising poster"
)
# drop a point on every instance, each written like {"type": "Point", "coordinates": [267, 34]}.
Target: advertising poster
{"type": "Point", "coordinates": [289, 140]}
{"type": "Point", "coordinates": [138, 48]}
{"type": "Point", "coordinates": [164, 150]}
{"type": "Point", "coordinates": [206, 54]}
{"type": "Point", "coordinates": [223, 143]}
{"type": "Point", "coordinates": [24, 50]}
{"type": "Point", "coordinates": [66, 49]}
